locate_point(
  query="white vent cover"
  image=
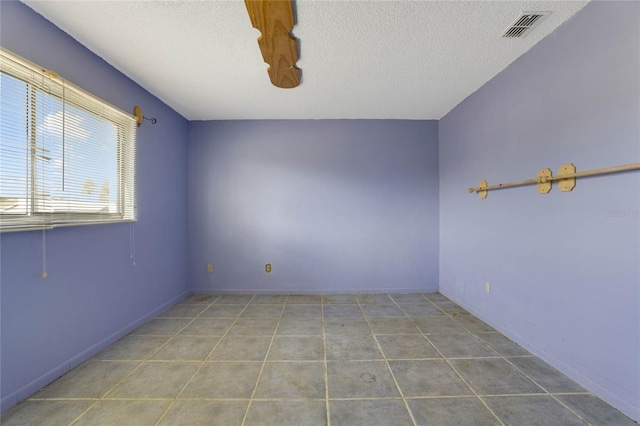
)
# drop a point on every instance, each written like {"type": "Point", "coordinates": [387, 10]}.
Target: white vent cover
{"type": "Point", "coordinates": [524, 24]}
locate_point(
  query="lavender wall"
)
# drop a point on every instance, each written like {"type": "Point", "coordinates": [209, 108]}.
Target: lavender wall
{"type": "Point", "coordinates": [93, 294]}
{"type": "Point", "coordinates": [336, 206]}
{"type": "Point", "coordinates": [563, 267]}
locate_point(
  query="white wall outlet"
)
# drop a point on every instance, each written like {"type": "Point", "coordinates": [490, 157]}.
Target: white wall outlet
{"type": "Point", "coordinates": [209, 267]}
{"type": "Point", "coordinates": [487, 287]}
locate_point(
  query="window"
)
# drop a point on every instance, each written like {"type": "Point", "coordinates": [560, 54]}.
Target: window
{"type": "Point", "coordinates": [66, 157]}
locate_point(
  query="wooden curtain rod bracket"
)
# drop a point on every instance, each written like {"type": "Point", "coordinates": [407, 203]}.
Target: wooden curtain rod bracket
{"type": "Point", "coordinates": [566, 179]}
{"type": "Point", "coordinates": [137, 113]}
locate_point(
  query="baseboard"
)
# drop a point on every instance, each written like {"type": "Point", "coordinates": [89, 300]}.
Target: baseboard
{"type": "Point", "coordinates": [278, 291]}
{"type": "Point", "coordinates": [63, 368]}
{"type": "Point", "coordinates": [626, 407]}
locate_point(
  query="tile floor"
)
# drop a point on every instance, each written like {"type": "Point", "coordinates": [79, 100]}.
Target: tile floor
{"type": "Point", "coordinates": [399, 359]}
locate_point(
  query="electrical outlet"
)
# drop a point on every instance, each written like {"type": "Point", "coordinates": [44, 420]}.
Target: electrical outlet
{"type": "Point", "coordinates": [209, 267]}
{"type": "Point", "coordinates": [267, 268]}
{"type": "Point", "coordinates": [487, 287]}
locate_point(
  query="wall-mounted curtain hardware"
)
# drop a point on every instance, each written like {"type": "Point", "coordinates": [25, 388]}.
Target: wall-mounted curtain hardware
{"type": "Point", "coordinates": [566, 179]}
{"type": "Point", "coordinates": [137, 113]}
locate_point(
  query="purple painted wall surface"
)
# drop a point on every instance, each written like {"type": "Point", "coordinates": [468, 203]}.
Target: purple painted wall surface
{"type": "Point", "coordinates": [93, 293]}
{"type": "Point", "coordinates": [564, 268]}
{"type": "Point", "coordinates": [336, 206]}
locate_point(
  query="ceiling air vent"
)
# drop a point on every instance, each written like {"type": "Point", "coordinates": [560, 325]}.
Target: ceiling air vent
{"type": "Point", "coordinates": [524, 24]}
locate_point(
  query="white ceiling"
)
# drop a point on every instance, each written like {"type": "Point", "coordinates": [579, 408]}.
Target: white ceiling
{"type": "Point", "coordinates": [359, 59]}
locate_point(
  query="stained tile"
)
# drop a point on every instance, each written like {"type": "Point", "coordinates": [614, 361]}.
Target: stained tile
{"type": "Point", "coordinates": [346, 326]}
{"type": "Point", "coordinates": [291, 380]}
{"type": "Point", "coordinates": [182, 311]}
{"type": "Point", "coordinates": [200, 299]}
{"type": "Point", "coordinates": [287, 413]}
{"type": "Point", "coordinates": [133, 347]}
{"type": "Point", "coordinates": [473, 324]}
{"type": "Point", "coordinates": [452, 308]}
{"type": "Point", "coordinates": [241, 348]}
{"type": "Point", "coordinates": [189, 348]}
{"type": "Point", "coordinates": [114, 413]}
{"type": "Point", "coordinates": [437, 298]}
{"type": "Point", "coordinates": [388, 412]}
{"type": "Point", "coordinates": [91, 379]}
{"type": "Point", "coordinates": [360, 379]}
{"type": "Point", "coordinates": [253, 327]}
{"type": "Point", "coordinates": [451, 412]}
{"type": "Point", "coordinates": [222, 311]}
{"type": "Point", "coordinates": [382, 311]}
{"type": "Point", "coordinates": [420, 309]}
{"type": "Point", "coordinates": [339, 311]}
{"type": "Point", "coordinates": [339, 299]}
{"type": "Point", "coordinates": [300, 326]}
{"type": "Point", "coordinates": [155, 380]}
{"type": "Point", "coordinates": [392, 325]}
{"type": "Point", "coordinates": [234, 299]}
{"type": "Point", "coordinates": [407, 347]}
{"type": "Point", "coordinates": [532, 410]}
{"type": "Point", "coordinates": [190, 413]}
{"type": "Point", "coordinates": [460, 345]}
{"type": "Point", "coordinates": [262, 311]}
{"type": "Point", "coordinates": [301, 310]}
{"type": "Point", "coordinates": [437, 325]}
{"type": "Point", "coordinates": [494, 376]}
{"type": "Point", "coordinates": [51, 413]}
{"type": "Point", "coordinates": [408, 298]}
{"type": "Point", "coordinates": [502, 345]}
{"type": "Point", "coordinates": [374, 299]}
{"type": "Point", "coordinates": [309, 348]}
{"type": "Point", "coordinates": [352, 348]}
{"type": "Point", "coordinates": [162, 326]}
{"type": "Point", "coordinates": [428, 378]}
{"type": "Point", "coordinates": [545, 375]}
{"type": "Point", "coordinates": [224, 380]}
{"type": "Point", "coordinates": [269, 300]}
{"type": "Point", "coordinates": [306, 299]}
{"type": "Point", "coordinates": [596, 411]}
{"type": "Point", "coordinates": [208, 327]}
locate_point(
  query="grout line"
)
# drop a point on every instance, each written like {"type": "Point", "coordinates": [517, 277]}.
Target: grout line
{"type": "Point", "coordinates": [141, 362]}
{"type": "Point", "coordinates": [85, 412]}
{"type": "Point", "coordinates": [264, 362]}
{"type": "Point", "coordinates": [454, 369]}
{"type": "Point", "coordinates": [386, 361]}
{"type": "Point", "coordinates": [368, 319]}
{"type": "Point", "coordinates": [546, 392]}
{"type": "Point", "coordinates": [325, 366]}
{"type": "Point", "coordinates": [202, 363]}
{"type": "Point", "coordinates": [223, 399]}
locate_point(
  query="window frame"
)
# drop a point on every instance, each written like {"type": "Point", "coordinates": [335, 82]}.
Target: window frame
{"type": "Point", "coordinates": [41, 82]}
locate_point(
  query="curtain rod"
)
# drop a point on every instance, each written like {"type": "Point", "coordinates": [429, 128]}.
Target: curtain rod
{"type": "Point", "coordinates": [566, 178]}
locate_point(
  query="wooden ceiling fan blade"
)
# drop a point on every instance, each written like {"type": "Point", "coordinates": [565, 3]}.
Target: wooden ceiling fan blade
{"type": "Point", "coordinates": [274, 19]}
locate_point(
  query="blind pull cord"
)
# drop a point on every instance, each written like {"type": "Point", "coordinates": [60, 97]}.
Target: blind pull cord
{"type": "Point", "coordinates": [132, 243]}
{"type": "Point", "coordinates": [44, 254]}
{"type": "Point", "coordinates": [64, 121]}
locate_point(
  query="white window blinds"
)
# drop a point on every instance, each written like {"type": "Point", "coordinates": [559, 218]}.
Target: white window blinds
{"type": "Point", "coordinates": [66, 157]}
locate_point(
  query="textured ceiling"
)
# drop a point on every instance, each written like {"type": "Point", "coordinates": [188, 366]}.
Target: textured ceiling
{"type": "Point", "coordinates": [359, 59]}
